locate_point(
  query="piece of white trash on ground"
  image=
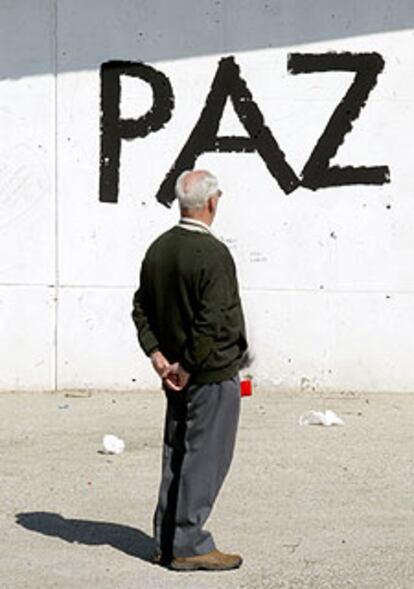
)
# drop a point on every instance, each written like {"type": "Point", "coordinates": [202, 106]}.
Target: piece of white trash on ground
{"type": "Point", "coordinates": [320, 418]}
{"type": "Point", "coordinates": [112, 444]}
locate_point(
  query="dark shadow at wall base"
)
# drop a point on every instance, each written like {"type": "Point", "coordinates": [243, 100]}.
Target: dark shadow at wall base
{"type": "Point", "coordinates": [132, 541]}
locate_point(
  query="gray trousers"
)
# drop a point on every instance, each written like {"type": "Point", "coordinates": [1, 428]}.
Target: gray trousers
{"type": "Point", "coordinates": [199, 436]}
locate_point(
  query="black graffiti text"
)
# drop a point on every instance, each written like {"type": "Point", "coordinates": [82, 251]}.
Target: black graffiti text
{"type": "Point", "coordinates": [229, 84]}
{"type": "Point", "coordinates": [317, 173]}
{"type": "Point", "coordinates": [114, 129]}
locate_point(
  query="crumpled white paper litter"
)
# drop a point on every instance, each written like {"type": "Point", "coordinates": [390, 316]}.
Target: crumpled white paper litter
{"type": "Point", "coordinates": [112, 444]}
{"type": "Point", "coordinates": [327, 418]}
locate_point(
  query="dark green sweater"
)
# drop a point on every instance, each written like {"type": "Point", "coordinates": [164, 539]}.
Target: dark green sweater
{"type": "Point", "coordinates": [188, 305]}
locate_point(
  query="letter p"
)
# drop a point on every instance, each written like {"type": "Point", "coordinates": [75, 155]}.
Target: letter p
{"type": "Point", "coordinates": [114, 129]}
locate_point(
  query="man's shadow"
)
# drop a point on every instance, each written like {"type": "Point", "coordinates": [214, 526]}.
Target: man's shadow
{"type": "Point", "coordinates": [124, 538]}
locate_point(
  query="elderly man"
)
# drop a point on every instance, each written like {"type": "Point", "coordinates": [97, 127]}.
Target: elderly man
{"type": "Point", "coordinates": [189, 319]}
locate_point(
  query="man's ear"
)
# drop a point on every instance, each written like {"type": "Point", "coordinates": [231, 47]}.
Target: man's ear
{"type": "Point", "coordinates": [212, 205]}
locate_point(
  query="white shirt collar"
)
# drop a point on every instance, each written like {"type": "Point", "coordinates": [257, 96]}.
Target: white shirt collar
{"type": "Point", "coordinates": [194, 225]}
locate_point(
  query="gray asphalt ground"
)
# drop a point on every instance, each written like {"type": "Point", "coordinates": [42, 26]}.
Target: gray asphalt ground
{"type": "Point", "coordinates": [306, 506]}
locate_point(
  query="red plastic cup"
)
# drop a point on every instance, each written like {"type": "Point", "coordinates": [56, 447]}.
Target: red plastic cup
{"type": "Point", "coordinates": [246, 387]}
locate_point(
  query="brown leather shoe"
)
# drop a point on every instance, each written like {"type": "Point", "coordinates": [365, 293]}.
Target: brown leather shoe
{"type": "Point", "coordinates": [212, 561]}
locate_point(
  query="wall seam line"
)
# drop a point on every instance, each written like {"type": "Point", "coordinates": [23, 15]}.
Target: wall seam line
{"type": "Point", "coordinates": [133, 287]}
{"type": "Point", "coordinates": [56, 143]}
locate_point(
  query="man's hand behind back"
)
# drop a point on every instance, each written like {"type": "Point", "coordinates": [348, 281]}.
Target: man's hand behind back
{"type": "Point", "coordinates": [160, 364]}
{"type": "Point", "coordinates": [177, 378]}
{"type": "Point", "coordinates": [173, 376]}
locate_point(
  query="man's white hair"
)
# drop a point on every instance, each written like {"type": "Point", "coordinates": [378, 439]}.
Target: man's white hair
{"type": "Point", "coordinates": [193, 195]}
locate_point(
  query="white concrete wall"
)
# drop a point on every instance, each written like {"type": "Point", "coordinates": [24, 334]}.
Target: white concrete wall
{"type": "Point", "coordinates": [326, 276]}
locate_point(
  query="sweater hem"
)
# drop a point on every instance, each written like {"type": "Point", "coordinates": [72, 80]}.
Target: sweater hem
{"type": "Point", "coordinates": [211, 376]}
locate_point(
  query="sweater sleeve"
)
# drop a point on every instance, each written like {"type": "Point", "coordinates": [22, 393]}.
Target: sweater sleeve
{"type": "Point", "coordinates": [141, 317]}
{"type": "Point", "coordinates": [208, 316]}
